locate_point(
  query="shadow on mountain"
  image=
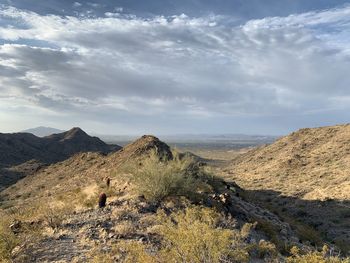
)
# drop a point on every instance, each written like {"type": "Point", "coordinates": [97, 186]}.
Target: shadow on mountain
{"type": "Point", "coordinates": [22, 154]}
{"type": "Point", "coordinates": [315, 221]}
{"type": "Point", "coordinates": [8, 177]}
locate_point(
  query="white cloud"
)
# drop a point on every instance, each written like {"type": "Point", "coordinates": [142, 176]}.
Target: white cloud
{"type": "Point", "coordinates": [176, 65]}
{"type": "Point", "coordinates": [77, 4]}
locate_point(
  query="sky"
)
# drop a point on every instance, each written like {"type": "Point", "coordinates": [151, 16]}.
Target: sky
{"type": "Point", "coordinates": [172, 67]}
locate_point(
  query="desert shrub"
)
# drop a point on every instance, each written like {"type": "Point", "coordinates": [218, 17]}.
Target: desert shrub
{"type": "Point", "coordinates": [266, 249]}
{"type": "Point", "coordinates": [54, 216]}
{"type": "Point", "coordinates": [124, 228]}
{"type": "Point", "coordinates": [156, 179]}
{"type": "Point", "coordinates": [246, 230]}
{"type": "Point", "coordinates": [8, 240]}
{"type": "Point", "coordinates": [307, 233]}
{"type": "Point", "coordinates": [101, 257]}
{"type": "Point", "coordinates": [193, 235]}
{"type": "Point", "coordinates": [89, 201]}
{"type": "Point", "coordinates": [343, 245]}
{"type": "Point", "coordinates": [135, 252]}
{"type": "Point", "coordinates": [314, 257]}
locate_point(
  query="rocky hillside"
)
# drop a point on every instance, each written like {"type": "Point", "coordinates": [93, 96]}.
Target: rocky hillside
{"type": "Point", "coordinates": [58, 220]}
{"type": "Point", "coordinates": [305, 174]}
{"type": "Point", "coordinates": [80, 171]}
{"type": "Point", "coordinates": [24, 153]}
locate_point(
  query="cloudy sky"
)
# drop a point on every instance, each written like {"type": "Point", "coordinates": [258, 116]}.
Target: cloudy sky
{"type": "Point", "coordinates": [166, 67]}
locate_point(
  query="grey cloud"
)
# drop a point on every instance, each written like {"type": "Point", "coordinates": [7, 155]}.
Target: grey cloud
{"type": "Point", "coordinates": [178, 66]}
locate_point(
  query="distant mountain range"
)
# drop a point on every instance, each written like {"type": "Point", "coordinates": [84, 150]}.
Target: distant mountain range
{"type": "Point", "coordinates": [23, 153]}
{"type": "Point", "coordinates": [16, 148]}
{"type": "Point", "coordinates": [232, 137]}
{"type": "Point", "coordinates": [42, 131]}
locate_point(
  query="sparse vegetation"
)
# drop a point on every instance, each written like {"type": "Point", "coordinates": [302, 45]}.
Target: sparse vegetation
{"type": "Point", "coordinates": [313, 183]}
{"type": "Point", "coordinates": [314, 257]}
{"type": "Point", "coordinates": [160, 209]}
{"type": "Point", "coordinates": [7, 238]}
{"type": "Point", "coordinates": [156, 179]}
{"type": "Point", "coordinates": [193, 235]}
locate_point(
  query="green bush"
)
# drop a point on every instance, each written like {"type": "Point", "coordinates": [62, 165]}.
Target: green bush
{"type": "Point", "coordinates": [156, 179]}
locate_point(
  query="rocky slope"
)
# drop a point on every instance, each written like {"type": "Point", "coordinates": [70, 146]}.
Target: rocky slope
{"type": "Point", "coordinates": [79, 171]}
{"type": "Point", "coordinates": [304, 175]}
{"type": "Point", "coordinates": [24, 153]}
{"type": "Point", "coordinates": [84, 232]}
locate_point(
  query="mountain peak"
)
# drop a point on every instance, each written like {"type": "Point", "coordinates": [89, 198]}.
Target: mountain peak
{"type": "Point", "coordinates": [75, 132]}
{"type": "Point", "coordinates": [147, 143]}
{"type": "Point", "coordinates": [42, 131]}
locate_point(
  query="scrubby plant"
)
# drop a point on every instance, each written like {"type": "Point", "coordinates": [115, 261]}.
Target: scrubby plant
{"type": "Point", "coordinates": [156, 179]}
{"type": "Point", "coordinates": [124, 228]}
{"type": "Point", "coordinates": [54, 215]}
{"type": "Point", "coordinates": [297, 256]}
{"type": "Point", "coordinates": [88, 201]}
{"type": "Point", "coordinates": [308, 233]}
{"type": "Point", "coordinates": [267, 249]}
{"type": "Point", "coordinates": [194, 235]}
{"type": "Point", "coordinates": [98, 256]}
{"type": "Point", "coordinates": [135, 252]}
{"type": "Point", "coordinates": [8, 240]}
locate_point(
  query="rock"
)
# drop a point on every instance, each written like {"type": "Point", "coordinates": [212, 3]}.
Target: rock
{"type": "Point", "coordinates": [16, 227]}
{"type": "Point", "coordinates": [142, 239]}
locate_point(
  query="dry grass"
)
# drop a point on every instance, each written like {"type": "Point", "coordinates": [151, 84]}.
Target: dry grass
{"type": "Point", "coordinates": [8, 240]}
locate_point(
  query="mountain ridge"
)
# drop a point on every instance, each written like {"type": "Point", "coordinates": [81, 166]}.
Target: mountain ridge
{"type": "Point", "coordinates": [304, 175]}
{"type": "Point", "coordinates": [82, 177]}
{"type": "Point", "coordinates": [42, 131]}
{"type": "Point", "coordinates": [17, 149]}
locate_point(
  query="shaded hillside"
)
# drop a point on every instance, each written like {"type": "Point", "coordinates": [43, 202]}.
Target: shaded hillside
{"type": "Point", "coordinates": [24, 153]}
{"type": "Point", "coordinates": [72, 228]}
{"type": "Point", "coordinates": [305, 174]}
{"type": "Point", "coordinates": [80, 170]}
{"type": "Point", "coordinates": [17, 148]}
